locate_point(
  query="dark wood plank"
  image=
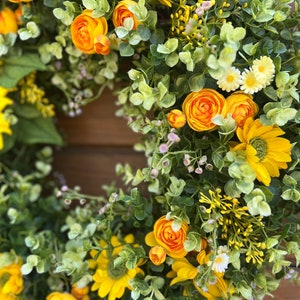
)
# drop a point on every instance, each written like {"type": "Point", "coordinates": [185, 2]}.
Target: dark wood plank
{"type": "Point", "coordinates": [286, 291]}
{"type": "Point", "coordinates": [92, 167]}
{"type": "Point", "coordinates": [97, 125]}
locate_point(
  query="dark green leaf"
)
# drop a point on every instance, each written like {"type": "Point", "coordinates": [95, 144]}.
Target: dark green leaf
{"type": "Point", "coordinates": [16, 67]}
{"type": "Point", "coordinates": [279, 47]}
{"type": "Point", "coordinates": [27, 111]}
{"type": "Point", "coordinates": [8, 141]}
{"type": "Point", "coordinates": [126, 49]}
{"type": "Point", "coordinates": [38, 131]}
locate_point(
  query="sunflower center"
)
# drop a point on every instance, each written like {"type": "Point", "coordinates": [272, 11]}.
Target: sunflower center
{"type": "Point", "coordinates": [116, 272]}
{"type": "Point", "coordinates": [260, 146]}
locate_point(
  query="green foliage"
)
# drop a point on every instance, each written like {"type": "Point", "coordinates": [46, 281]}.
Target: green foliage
{"type": "Point", "coordinates": [14, 68]}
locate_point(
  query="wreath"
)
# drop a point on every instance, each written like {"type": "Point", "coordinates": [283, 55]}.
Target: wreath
{"type": "Point", "coordinates": [212, 87]}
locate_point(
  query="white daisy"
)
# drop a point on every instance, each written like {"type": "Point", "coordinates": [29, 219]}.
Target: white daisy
{"type": "Point", "coordinates": [220, 263]}
{"type": "Point", "coordinates": [264, 69]}
{"type": "Point", "coordinates": [230, 81]}
{"type": "Point", "coordinates": [250, 83]}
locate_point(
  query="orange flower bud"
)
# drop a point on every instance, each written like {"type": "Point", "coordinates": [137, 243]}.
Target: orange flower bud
{"type": "Point", "coordinates": [80, 293]}
{"type": "Point", "coordinates": [203, 244]}
{"type": "Point", "coordinates": [85, 29]}
{"type": "Point", "coordinates": [176, 118]}
{"type": "Point", "coordinates": [242, 107]}
{"type": "Point", "coordinates": [8, 21]}
{"type": "Point", "coordinates": [157, 255]}
{"type": "Point", "coordinates": [102, 44]}
{"type": "Point", "coordinates": [122, 12]}
{"type": "Point", "coordinates": [200, 107]}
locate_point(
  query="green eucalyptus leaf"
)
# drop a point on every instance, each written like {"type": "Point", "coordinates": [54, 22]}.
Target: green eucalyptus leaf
{"type": "Point", "coordinates": [172, 59]}
{"type": "Point", "coordinates": [26, 269]}
{"type": "Point", "coordinates": [43, 266]}
{"type": "Point", "coordinates": [197, 82]}
{"type": "Point", "coordinates": [144, 32]}
{"type": "Point", "coordinates": [168, 47]}
{"type": "Point", "coordinates": [121, 32]}
{"type": "Point", "coordinates": [126, 49]}
{"type": "Point", "coordinates": [134, 38]}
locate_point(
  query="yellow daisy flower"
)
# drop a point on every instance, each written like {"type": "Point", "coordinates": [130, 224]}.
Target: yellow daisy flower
{"type": "Point", "coordinates": [230, 81]}
{"type": "Point", "coordinates": [265, 151]}
{"type": "Point", "coordinates": [264, 69]}
{"type": "Point", "coordinates": [111, 281]}
{"type": "Point", "coordinates": [250, 83]}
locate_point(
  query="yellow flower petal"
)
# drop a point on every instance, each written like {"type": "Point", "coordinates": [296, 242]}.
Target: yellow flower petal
{"type": "Point", "coordinates": [264, 150]}
{"type": "Point", "coordinates": [150, 239]}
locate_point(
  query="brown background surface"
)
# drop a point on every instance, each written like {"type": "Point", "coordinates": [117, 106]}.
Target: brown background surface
{"type": "Point", "coordinates": [97, 141]}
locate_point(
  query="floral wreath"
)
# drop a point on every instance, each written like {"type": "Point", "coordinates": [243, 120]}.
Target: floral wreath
{"type": "Point", "coordinates": [212, 86]}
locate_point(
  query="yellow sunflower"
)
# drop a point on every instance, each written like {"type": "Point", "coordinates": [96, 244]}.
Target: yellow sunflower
{"type": "Point", "coordinates": [111, 280]}
{"type": "Point", "coordinates": [265, 151]}
{"type": "Point", "coordinates": [215, 287]}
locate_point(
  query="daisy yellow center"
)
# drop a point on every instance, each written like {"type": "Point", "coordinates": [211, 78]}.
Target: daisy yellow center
{"type": "Point", "coordinates": [261, 69]}
{"type": "Point", "coordinates": [219, 260]}
{"type": "Point", "coordinates": [250, 81]}
{"type": "Point", "coordinates": [230, 78]}
{"type": "Point", "coordinates": [260, 146]}
{"type": "Point", "coordinates": [116, 272]}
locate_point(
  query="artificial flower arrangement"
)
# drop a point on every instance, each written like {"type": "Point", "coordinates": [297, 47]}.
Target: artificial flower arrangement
{"type": "Point", "coordinates": [212, 86]}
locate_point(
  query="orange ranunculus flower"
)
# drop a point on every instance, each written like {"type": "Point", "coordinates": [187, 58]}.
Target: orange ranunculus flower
{"type": "Point", "coordinates": [8, 21]}
{"type": "Point", "coordinates": [80, 293]}
{"type": "Point", "coordinates": [85, 29]}
{"type": "Point", "coordinates": [241, 106]}
{"type": "Point", "coordinates": [200, 107]}
{"type": "Point", "coordinates": [60, 296]}
{"type": "Point", "coordinates": [122, 12]}
{"type": "Point", "coordinates": [102, 44]}
{"type": "Point", "coordinates": [176, 118]}
{"type": "Point", "coordinates": [157, 255]}
{"type": "Point", "coordinates": [163, 235]}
